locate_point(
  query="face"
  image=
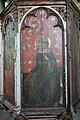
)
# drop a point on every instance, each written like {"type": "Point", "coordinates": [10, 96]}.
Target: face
{"type": "Point", "coordinates": [43, 45]}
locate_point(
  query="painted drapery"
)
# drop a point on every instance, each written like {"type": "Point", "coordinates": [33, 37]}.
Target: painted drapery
{"type": "Point", "coordinates": [9, 50]}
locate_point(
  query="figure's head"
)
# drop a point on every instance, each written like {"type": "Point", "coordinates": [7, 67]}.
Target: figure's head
{"type": "Point", "coordinates": [43, 44]}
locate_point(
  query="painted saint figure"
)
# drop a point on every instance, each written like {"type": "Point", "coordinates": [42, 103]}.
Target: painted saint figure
{"type": "Point", "coordinates": [44, 79]}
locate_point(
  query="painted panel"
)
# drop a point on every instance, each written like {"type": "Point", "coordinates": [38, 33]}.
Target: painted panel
{"type": "Point", "coordinates": [42, 59]}
{"type": "Point", "coordinates": [9, 44]}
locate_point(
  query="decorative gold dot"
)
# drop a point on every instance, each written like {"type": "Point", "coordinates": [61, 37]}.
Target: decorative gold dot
{"type": "Point", "coordinates": [29, 46]}
{"type": "Point", "coordinates": [30, 31]}
{"type": "Point", "coordinates": [29, 62]}
{"type": "Point", "coordinates": [23, 31]}
{"type": "Point", "coordinates": [34, 48]}
{"type": "Point", "coordinates": [29, 69]}
{"type": "Point", "coordinates": [23, 47]}
{"type": "Point", "coordinates": [24, 62]}
{"type": "Point", "coordinates": [58, 61]}
{"type": "Point", "coordinates": [57, 53]}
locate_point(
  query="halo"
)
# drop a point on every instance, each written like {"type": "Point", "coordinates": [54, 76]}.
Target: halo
{"type": "Point", "coordinates": [41, 38]}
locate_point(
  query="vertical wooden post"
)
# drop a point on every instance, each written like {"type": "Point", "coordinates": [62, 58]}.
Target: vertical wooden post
{"type": "Point", "coordinates": [2, 6]}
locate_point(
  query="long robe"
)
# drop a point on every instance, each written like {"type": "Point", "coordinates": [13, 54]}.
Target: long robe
{"type": "Point", "coordinates": [44, 82]}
